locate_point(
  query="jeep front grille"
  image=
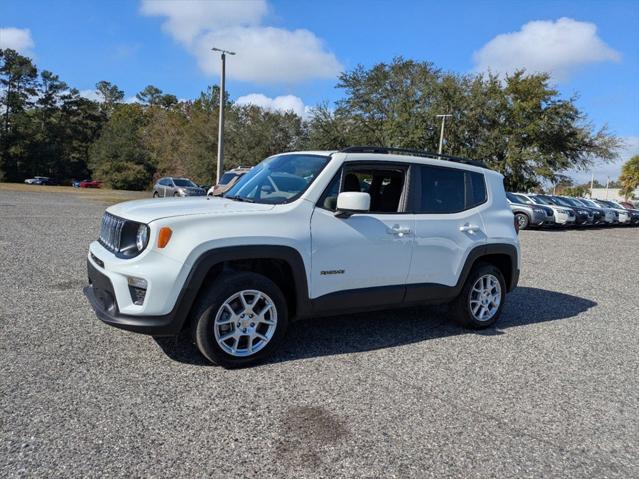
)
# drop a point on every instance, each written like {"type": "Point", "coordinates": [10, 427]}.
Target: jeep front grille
{"type": "Point", "coordinates": [111, 232]}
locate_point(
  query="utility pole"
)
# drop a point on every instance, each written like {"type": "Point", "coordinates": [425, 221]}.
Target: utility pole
{"type": "Point", "coordinates": [220, 131]}
{"type": "Point", "coordinates": [607, 184]}
{"type": "Point", "coordinates": [592, 182]}
{"type": "Point", "coordinates": [441, 134]}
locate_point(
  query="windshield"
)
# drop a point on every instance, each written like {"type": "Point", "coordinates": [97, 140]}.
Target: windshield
{"type": "Point", "coordinates": [278, 179]}
{"type": "Point", "coordinates": [515, 199]}
{"type": "Point", "coordinates": [572, 202]}
{"type": "Point", "coordinates": [184, 182]}
{"type": "Point", "coordinates": [560, 201]}
{"type": "Point", "coordinates": [226, 178]}
{"type": "Point", "coordinates": [523, 199]}
{"type": "Point", "coordinates": [540, 200]}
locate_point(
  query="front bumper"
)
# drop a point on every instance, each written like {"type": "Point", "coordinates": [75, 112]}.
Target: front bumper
{"type": "Point", "coordinates": [102, 298]}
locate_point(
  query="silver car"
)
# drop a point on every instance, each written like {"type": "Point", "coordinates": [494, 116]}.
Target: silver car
{"type": "Point", "coordinates": [169, 186]}
{"type": "Point", "coordinates": [527, 215]}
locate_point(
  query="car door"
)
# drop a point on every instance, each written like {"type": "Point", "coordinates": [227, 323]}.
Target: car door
{"type": "Point", "coordinates": [161, 187]}
{"type": "Point", "coordinates": [362, 259]}
{"type": "Point", "coordinates": [448, 225]}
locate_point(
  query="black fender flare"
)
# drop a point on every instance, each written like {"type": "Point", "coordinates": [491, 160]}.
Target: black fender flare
{"type": "Point", "coordinates": [209, 259]}
{"type": "Point", "coordinates": [478, 252]}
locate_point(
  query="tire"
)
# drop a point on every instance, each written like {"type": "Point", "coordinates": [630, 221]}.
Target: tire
{"type": "Point", "coordinates": [155, 194]}
{"type": "Point", "coordinates": [522, 220]}
{"type": "Point", "coordinates": [176, 194]}
{"type": "Point", "coordinates": [208, 334]}
{"type": "Point", "coordinates": [461, 306]}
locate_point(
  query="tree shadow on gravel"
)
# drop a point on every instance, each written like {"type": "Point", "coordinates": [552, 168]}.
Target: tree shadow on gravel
{"type": "Point", "coordinates": [386, 329]}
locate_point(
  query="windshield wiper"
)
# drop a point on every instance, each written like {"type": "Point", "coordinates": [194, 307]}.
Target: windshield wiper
{"type": "Point", "coordinates": [240, 198]}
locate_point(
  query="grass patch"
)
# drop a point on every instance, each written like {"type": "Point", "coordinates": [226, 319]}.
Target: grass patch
{"type": "Point", "coordinates": [103, 195]}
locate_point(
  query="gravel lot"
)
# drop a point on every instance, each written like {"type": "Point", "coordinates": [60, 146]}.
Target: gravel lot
{"type": "Point", "coordinates": [552, 392]}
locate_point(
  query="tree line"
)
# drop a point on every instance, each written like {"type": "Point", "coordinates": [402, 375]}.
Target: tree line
{"type": "Point", "coordinates": [519, 125]}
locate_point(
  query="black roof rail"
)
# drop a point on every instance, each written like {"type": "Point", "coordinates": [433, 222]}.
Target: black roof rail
{"type": "Point", "coordinates": [406, 151]}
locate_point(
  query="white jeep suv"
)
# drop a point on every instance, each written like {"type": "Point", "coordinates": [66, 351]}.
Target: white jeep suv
{"type": "Point", "coordinates": [359, 229]}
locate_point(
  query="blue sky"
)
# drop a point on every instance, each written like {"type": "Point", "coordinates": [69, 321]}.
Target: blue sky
{"type": "Point", "coordinates": [290, 52]}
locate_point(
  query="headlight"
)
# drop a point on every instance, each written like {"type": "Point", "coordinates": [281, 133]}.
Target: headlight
{"type": "Point", "coordinates": [538, 210]}
{"type": "Point", "coordinates": [142, 237]}
{"type": "Point", "coordinates": [582, 212]}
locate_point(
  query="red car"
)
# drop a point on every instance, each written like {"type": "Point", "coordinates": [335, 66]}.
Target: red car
{"type": "Point", "coordinates": [90, 184]}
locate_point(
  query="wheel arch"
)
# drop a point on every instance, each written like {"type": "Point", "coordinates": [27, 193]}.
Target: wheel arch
{"type": "Point", "coordinates": [282, 264]}
{"type": "Point", "coordinates": [502, 255]}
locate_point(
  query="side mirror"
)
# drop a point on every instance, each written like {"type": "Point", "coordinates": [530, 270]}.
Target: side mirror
{"type": "Point", "coordinates": [350, 202]}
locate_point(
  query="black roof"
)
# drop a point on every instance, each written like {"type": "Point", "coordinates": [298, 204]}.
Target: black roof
{"type": "Point", "coordinates": [405, 151]}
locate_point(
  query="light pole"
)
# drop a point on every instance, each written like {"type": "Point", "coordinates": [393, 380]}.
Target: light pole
{"type": "Point", "coordinates": [220, 132]}
{"type": "Point", "coordinates": [441, 134]}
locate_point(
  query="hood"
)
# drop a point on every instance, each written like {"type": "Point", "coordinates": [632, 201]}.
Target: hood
{"type": "Point", "coordinates": [145, 211]}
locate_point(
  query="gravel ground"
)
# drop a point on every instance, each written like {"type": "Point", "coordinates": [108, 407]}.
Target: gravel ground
{"type": "Point", "coordinates": [551, 392]}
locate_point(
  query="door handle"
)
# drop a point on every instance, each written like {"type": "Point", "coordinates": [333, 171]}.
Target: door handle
{"type": "Point", "coordinates": [399, 230]}
{"type": "Point", "coordinates": [468, 228]}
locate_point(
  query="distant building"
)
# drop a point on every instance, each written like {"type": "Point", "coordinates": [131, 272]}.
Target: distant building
{"type": "Point", "coordinates": [611, 194]}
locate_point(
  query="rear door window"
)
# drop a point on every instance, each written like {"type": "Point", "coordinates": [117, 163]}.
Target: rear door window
{"type": "Point", "coordinates": [450, 190]}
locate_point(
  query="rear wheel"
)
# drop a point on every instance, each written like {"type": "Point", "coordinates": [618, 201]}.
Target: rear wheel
{"type": "Point", "coordinates": [522, 220]}
{"type": "Point", "coordinates": [155, 194]}
{"type": "Point", "coordinates": [241, 319]}
{"type": "Point", "coordinates": [481, 300]}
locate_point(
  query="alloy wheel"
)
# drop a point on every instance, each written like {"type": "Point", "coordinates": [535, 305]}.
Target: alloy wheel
{"type": "Point", "coordinates": [485, 298]}
{"type": "Point", "coordinates": [245, 323]}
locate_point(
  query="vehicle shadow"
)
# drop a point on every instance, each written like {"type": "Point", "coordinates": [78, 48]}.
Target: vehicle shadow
{"type": "Point", "coordinates": [387, 329]}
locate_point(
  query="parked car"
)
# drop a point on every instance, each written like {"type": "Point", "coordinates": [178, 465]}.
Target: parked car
{"type": "Point", "coordinates": [40, 180]}
{"type": "Point", "coordinates": [527, 215]}
{"type": "Point", "coordinates": [624, 216]}
{"type": "Point", "coordinates": [583, 216]}
{"type": "Point", "coordinates": [429, 229]}
{"type": "Point", "coordinates": [227, 181]}
{"type": "Point", "coordinates": [563, 216]}
{"type": "Point", "coordinates": [170, 186]}
{"type": "Point", "coordinates": [634, 212]}
{"type": "Point", "coordinates": [90, 184]}
{"type": "Point", "coordinates": [595, 215]}
{"type": "Point", "coordinates": [610, 215]}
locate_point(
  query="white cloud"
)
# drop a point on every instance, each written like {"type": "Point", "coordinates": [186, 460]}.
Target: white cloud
{"type": "Point", "coordinates": [264, 54]}
{"type": "Point", "coordinates": [601, 170]}
{"type": "Point", "coordinates": [18, 39]}
{"type": "Point", "coordinates": [90, 95]}
{"type": "Point", "coordinates": [188, 18]}
{"type": "Point", "coordinates": [94, 96]}
{"type": "Point", "coordinates": [280, 103]}
{"type": "Point", "coordinates": [558, 47]}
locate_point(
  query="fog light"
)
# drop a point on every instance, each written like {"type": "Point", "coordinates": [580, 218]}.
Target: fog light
{"type": "Point", "coordinates": [137, 289]}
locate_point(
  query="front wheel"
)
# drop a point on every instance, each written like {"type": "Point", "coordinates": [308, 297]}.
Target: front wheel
{"type": "Point", "coordinates": [155, 194]}
{"type": "Point", "coordinates": [522, 220]}
{"type": "Point", "coordinates": [240, 319]}
{"type": "Point", "coordinates": [481, 300]}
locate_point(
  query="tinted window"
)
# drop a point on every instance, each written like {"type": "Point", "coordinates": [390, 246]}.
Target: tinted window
{"type": "Point", "coordinates": [515, 199]}
{"type": "Point", "coordinates": [477, 188]}
{"type": "Point", "coordinates": [184, 182]}
{"type": "Point", "coordinates": [450, 190]}
{"type": "Point", "coordinates": [226, 178]}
